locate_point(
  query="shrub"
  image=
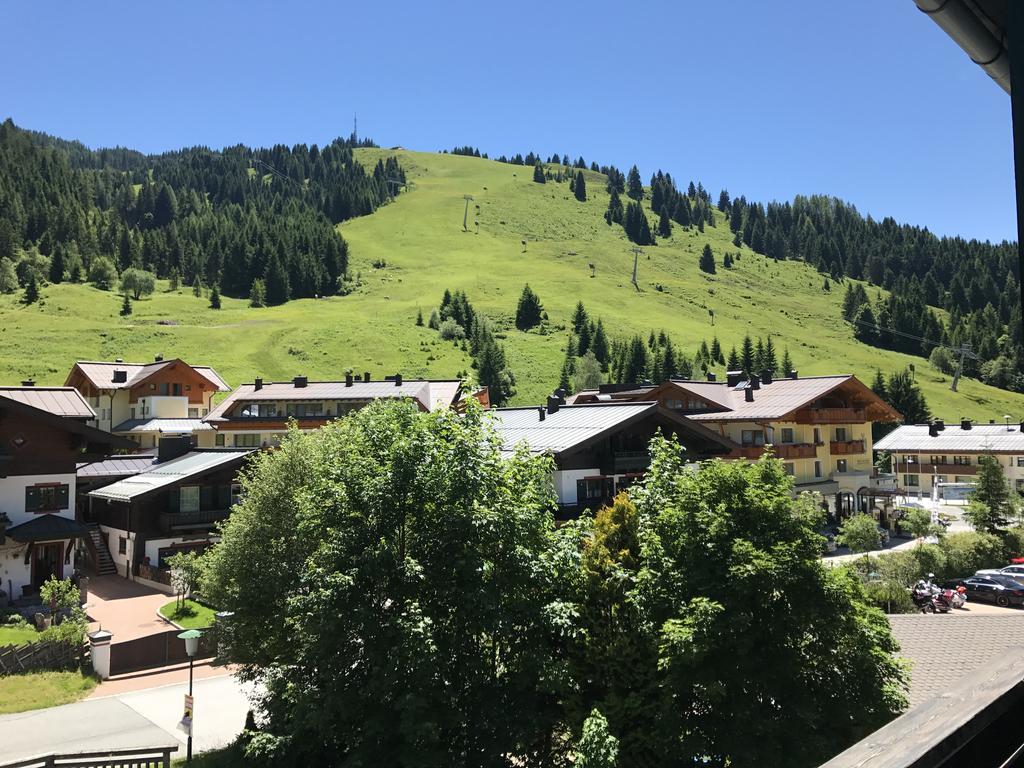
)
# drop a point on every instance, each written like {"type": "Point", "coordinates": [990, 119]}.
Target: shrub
{"type": "Point", "coordinates": [449, 329]}
{"type": "Point", "coordinates": [102, 273]}
{"type": "Point", "coordinates": [138, 282]}
{"type": "Point", "coordinates": [969, 552]}
{"type": "Point", "coordinates": [890, 596]}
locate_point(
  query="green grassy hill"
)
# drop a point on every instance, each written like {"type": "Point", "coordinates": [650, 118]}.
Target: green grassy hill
{"type": "Point", "coordinates": [425, 250]}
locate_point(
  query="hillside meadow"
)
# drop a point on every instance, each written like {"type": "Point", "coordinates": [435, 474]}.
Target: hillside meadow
{"type": "Point", "coordinates": [408, 252]}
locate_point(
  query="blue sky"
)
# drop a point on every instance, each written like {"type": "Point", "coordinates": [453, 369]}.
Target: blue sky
{"type": "Point", "coordinates": [868, 101]}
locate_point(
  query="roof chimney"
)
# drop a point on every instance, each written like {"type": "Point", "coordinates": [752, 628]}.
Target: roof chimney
{"type": "Point", "coordinates": [300, 382]}
{"type": "Point", "coordinates": [965, 423]}
{"type": "Point", "coordinates": [1022, 426]}
{"type": "Point", "coordinates": [398, 379]}
{"type": "Point", "coordinates": [348, 379]}
{"type": "Point", "coordinates": [766, 377]}
{"type": "Point", "coordinates": [28, 383]}
{"type": "Point", "coordinates": [794, 374]}
{"type": "Point", "coordinates": [553, 404]}
{"type": "Point", "coordinates": [940, 425]}
{"type": "Point", "coordinates": [159, 358]}
{"type": "Point", "coordinates": [933, 430]}
{"type": "Point", "coordinates": [540, 412]}
{"type": "Point", "coordinates": [732, 378]}
{"type": "Point", "coordinates": [366, 375]}
{"type": "Point", "coordinates": [748, 395]}
{"type": "Point", "coordinates": [257, 384]}
{"type": "Point", "coordinates": [120, 376]}
{"type": "Point", "coordinates": [755, 382]}
{"type": "Point", "coordinates": [712, 377]}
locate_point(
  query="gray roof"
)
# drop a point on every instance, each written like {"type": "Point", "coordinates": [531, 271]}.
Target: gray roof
{"type": "Point", "coordinates": [945, 649]}
{"type": "Point", "coordinates": [60, 401]}
{"type": "Point", "coordinates": [116, 466]}
{"type": "Point", "coordinates": [165, 426]}
{"type": "Point", "coordinates": [569, 426]}
{"type": "Point", "coordinates": [980, 438]}
{"type": "Point", "coordinates": [168, 473]}
{"type": "Point", "coordinates": [430, 394]}
{"type": "Point", "coordinates": [46, 527]}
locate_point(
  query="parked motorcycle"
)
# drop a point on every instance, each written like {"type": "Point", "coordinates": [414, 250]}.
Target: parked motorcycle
{"type": "Point", "coordinates": [958, 596]}
{"type": "Point", "coordinates": [930, 599]}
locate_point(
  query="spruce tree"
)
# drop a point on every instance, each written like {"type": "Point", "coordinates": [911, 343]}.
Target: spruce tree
{"type": "Point", "coordinates": [276, 279]}
{"type": "Point", "coordinates": [258, 294]}
{"type": "Point", "coordinates": [786, 365]}
{"type": "Point", "coordinates": [707, 260]}
{"type": "Point", "coordinates": [634, 185]}
{"type": "Point", "coordinates": [579, 318]}
{"type": "Point", "coordinates": [126, 305]}
{"type": "Point", "coordinates": [770, 361]}
{"type": "Point", "coordinates": [991, 505]}
{"type": "Point", "coordinates": [197, 286]}
{"type": "Point", "coordinates": [615, 213]}
{"type": "Point", "coordinates": [635, 369]}
{"type": "Point", "coordinates": [419, 317]}
{"type": "Point", "coordinates": [31, 295]}
{"type": "Point", "coordinates": [716, 351]}
{"type": "Point", "coordinates": [579, 187]}
{"type": "Point", "coordinates": [733, 363]}
{"type": "Point", "coordinates": [599, 346]}
{"type": "Point", "coordinates": [747, 355]}
{"type": "Point", "coordinates": [215, 297]}
{"type": "Point", "coordinates": [669, 365]}
{"type": "Point", "coordinates": [664, 223]}
{"type": "Point", "coordinates": [538, 174]}
{"type": "Point", "coordinates": [529, 310]}
{"type": "Point", "coordinates": [57, 264]}
{"type": "Point", "coordinates": [759, 363]}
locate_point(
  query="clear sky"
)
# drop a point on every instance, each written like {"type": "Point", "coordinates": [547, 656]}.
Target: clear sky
{"type": "Point", "coordinates": [866, 100]}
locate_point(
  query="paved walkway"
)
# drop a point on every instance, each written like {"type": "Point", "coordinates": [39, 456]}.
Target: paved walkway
{"type": "Point", "coordinates": [125, 608]}
{"type": "Point", "coordinates": [157, 678]}
{"type": "Point", "coordinates": [130, 720]}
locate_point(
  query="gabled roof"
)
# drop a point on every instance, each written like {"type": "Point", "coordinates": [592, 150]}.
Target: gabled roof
{"type": "Point", "coordinates": [573, 427]}
{"type": "Point", "coordinates": [980, 438]}
{"type": "Point", "coordinates": [73, 426]}
{"type": "Point", "coordinates": [101, 373]}
{"type": "Point", "coordinates": [47, 527]}
{"type": "Point", "coordinates": [431, 395]}
{"type": "Point", "coordinates": [60, 401]}
{"type": "Point", "coordinates": [192, 464]}
{"type": "Point", "coordinates": [116, 466]}
{"type": "Point", "coordinates": [164, 426]}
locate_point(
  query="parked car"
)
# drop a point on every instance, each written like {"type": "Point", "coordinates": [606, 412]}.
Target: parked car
{"type": "Point", "coordinates": [1015, 572]}
{"type": "Point", "coordinates": [1001, 590]}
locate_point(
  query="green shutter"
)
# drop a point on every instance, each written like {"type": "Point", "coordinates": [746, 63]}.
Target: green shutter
{"type": "Point", "coordinates": [62, 497]}
{"type": "Point", "coordinates": [31, 499]}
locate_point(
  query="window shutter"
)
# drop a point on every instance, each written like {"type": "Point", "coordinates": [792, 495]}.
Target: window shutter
{"type": "Point", "coordinates": [206, 497]}
{"type": "Point", "coordinates": [31, 499]}
{"type": "Point", "coordinates": [174, 500]}
{"type": "Point", "coordinates": [62, 497]}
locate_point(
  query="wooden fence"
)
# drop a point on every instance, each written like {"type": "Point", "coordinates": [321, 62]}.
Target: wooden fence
{"type": "Point", "coordinates": [157, 757]}
{"type": "Point", "coordinates": [42, 655]}
{"type": "Point", "coordinates": [156, 650]}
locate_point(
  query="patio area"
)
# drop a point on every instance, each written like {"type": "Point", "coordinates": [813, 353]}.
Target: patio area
{"type": "Point", "coordinates": [125, 608]}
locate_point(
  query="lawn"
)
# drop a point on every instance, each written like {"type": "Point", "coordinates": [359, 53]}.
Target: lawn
{"type": "Point", "coordinates": [17, 635]}
{"type": "Point", "coordinates": [192, 615]}
{"type": "Point", "coordinates": [226, 757]}
{"type": "Point", "coordinates": [420, 241]}
{"type": "Point", "coordinates": [37, 690]}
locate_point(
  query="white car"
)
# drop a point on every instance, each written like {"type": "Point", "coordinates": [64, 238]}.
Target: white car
{"type": "Point", "coordinates": [1015, 572]}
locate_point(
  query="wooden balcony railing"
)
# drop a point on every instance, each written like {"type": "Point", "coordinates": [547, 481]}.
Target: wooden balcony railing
{"type": "Point", "coordinates": [831, 416]}
{"type": "Point", "coordinates": [204, 518]}
{"type": "Point", "coordinates": [752, 452]}
{"type": "Point", "coordinates": [846, 447]}
{"type": "Point", "coordinates": [630, 461]}
{"type": "Point", "coordinates": [796, 451]}
{"type": "Point", "coordinates": [938, 469]}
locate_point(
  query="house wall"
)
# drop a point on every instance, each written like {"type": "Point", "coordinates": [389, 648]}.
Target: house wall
{"type": "Point", "coordinates": [926, 471]}
{"type": "Point", "coordinates": [112, 535]}
{"type": "Point", "coordinates": [12, 496]}
{"type": "Point", "coordinates": [565, 483]}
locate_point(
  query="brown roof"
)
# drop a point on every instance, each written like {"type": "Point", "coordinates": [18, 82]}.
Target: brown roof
{"type": "Point", "coordinates": [60, 401]}
{"type": "Point", "coordinates": [101, 374]}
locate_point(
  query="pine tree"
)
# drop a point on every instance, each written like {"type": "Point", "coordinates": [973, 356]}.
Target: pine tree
{"type": "Point", "coordinates": [991, 505]}
{"type": "Point", "coordinates": [716, 351]}
{"type": "Point", "coordinates": [31, 295]}
{"type": "Point", "coordinates": [579, 318]}
{"type": "Point", "coordinates": [419, 317]}
{"type": "Point", "coordinates": [57, 264]}
{"type": "Point", "coordinates": [258, 294]}
{"type": "Point", "coordinates": [579, 187]}
{"type": "Point", "coordinates": [669, 365]}
{"type": "Point", "coordinates": [786, 365]}
{"type": "Point", "coordinates": [197, 286]}
{"type": "Point", "coordinates": [664, 223]}
{"type": "Point", "coordinates": [126, 305]}
{"type": "Point", "coordinates": [538, 174]}
{"type": "Point", "coordinates": [635, 369]}
{"type": "Point", "coordinates": [747, 355]}
{"type": "Point", "coordinates": [215, 297]}
{"type": "Point", "coordinates": [599, 346]}
{"type": "Point", "coordinates": [878, 385]}
{"type": "Point", "coordinates": [529, 310]}
{"type": "Point", "coordinates": [277, 283]}
{"type": "Point", "coordinates": [733, 363]}
{"type": "Point", "coordinates": [615, 213]}
{"type": "Point", "coordinates": [634, 185]}
{"type": "Point", "coordinates": [707, 260]}
{"type": "Point", "coordinates": [769, 361]}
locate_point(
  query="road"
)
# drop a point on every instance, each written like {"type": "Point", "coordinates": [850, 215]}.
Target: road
{"type": "Point", "coordinates": [131, 720]}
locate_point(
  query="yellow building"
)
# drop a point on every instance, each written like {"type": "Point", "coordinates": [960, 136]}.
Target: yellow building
{"type": "Point", "coordinates": [819, 426]}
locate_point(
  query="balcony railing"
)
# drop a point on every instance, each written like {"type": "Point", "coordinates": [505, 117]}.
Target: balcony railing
{"type": "Point", "coordinates": [937, 469]}
{"type": "Point", "coordinates": [832, 416]}
{"type": "Point", "coordinates": [204, 518]}
{"type": "Point", "coordinates": [846, 447]}
{"type": "Point", "coordinates": [795, 451]}
{"type": "Point", "coordinates": [752, 452]}
{"type": "Point", "coordinates": [630, 461]}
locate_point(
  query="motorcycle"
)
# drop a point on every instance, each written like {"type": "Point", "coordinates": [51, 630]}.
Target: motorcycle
{"type": "Point", "coordinates": [958, 596]}
{"type": "Point", "coordinates": [930, 599]}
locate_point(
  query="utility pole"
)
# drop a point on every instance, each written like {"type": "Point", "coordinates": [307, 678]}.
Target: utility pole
{"type": "Point", "coordinates": [637, 250]}
{"type": "Point", "coordinates": [465, 216]}
{"type": "Point", "coordinates": [965, 351]}
{"type": "Point", "coordinates": [392, 183]}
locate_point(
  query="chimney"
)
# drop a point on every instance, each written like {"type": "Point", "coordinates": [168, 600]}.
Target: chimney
{"type": "Point", "coordinates": [257, 384]}
{"type": "Point", "coordinates": [940, 425]}
{"type": "Point", "coordinates": [794, 374]}
{"type": "Point", "coordinates": [120, 376]}
{"type": "Point", "coordinates": [732, 378]}
{"type": "Point", "coordinates": [965, 423]}
{"type": "Point", "coordinates": [540, 412]}
{"type": "Point", "coordinates": [348, 379]}
{"type": "Point", "coordinates": [28, 383]}
{"type": "Point", "coordinates": [560, 394]}
{"type": "Point", "coordinates": [712, 377]}
{"type": "Point", "coordinates": [158, 359]}
{"type": "Point", "coordinates": [300, 382]}
{"type": "Point", "coordinates": [766, 377]}
{"type": "Point", "coordinates": [748, 395]}
{"type": "Point", "coordinates": [1022, 426]}
{"type": "Point", "coordinates": [755, 382]}
{"type": "Point", "coordinates": [553, 404]}
{"type": "Point", "coordinates": [172, 447]}
{"type": "Point", "coordinates": [398, 379]}
{"type": "Point", "coordinates": [933, 430]}
{"type": "Point", "coordinates": [366, 375]}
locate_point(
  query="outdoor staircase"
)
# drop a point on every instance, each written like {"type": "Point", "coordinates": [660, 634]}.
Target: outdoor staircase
{"type": "Point", "coordinates": [104, 563]}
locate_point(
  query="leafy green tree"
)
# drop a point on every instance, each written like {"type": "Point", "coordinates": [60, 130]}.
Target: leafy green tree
{"type": "Point", "coordinates": [707, 260]}
{"type": "Point", "coordinates": [409, 611]}
{"type": "Point", "coordinates": [102, 273]}
{"type": "Point", "coordinates": [8, 277]}
{"type": "Point", "coordinates": [918, 522]}
{"type": "Point", "coordinates": [126, 304]}
{"type": "Point", "coordinates": [579, 187]}
{"type": "Point", "coordinates": [991, 504]}
{"type": "Point", "coordinates": [186, 570]}
{"type": "Point", "coordinates": [597, 747]}
{"type": "Point", "coordinates": [586, 373]}
{"type": "Point", "coordinates": [60, 595]}
{"type": "Point", "coordinates": [860, 534]}
{"type": "Point", "coordinates": [258, 295]}
{"type": "Point", "coordinates": [138, 282]}
{"type": "Point", "coordinates": [215, 297]}
{"type": "Point", "coordinates": [529, 310]}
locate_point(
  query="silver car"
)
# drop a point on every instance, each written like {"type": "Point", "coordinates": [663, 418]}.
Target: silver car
{"type": "Point", "coordinates": [1015, 572]}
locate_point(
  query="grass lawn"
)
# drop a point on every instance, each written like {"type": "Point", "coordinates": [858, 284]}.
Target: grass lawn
{"type": "Point", "coordinates": [227, 757]}
{"type": "Point", "coordinates": [17, 635]}
{"type": "Point", "coordinates": [37, 690]}
{"type": "Point", "coordinates": [420, 242]}
{"type": "Point", "coordinates": [192, 616]}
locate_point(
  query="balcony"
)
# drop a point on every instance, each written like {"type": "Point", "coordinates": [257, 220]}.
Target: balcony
{"type": "Point", "coordinates": [937, 469]}
{"type": "Point", "coordinates": [846, 447]}
{"type": "Point", "coordinates": [831, 416]}
{"type": "Point", "coordinates": [630, 461]}
{"type": "Point", "coordinates": [795, 451]}
{"type": "Point", "coordinates": [204, 518]}
{"type": "Point", "coordinates": [752, 452]}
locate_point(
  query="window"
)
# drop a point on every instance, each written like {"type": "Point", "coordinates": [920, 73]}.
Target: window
{"type": "Point", "coordinates": [1020, 461]}
{"type": "Point", "coordinates": [248, 440]}
{"type": "Point", "coordinates": [963, 461]}
{"type": "Point", "coordinates": [236, 493]}
{"type": "Point", "coordinates": [122, 545]}
{"type": "Point", "coordinates": [1020, 485]}
{"type": "Point", "coordinates": [940, 478]}
{"type": "Point", "coordinates": [193, 413]}
{"type": "Point", "coordinates": [790, 469]}
{"type": "Point", "coordinates": [46, 498]}
{"type": "Point", "coordinates": [176, 390]}
{"type": "Point", "coordinates": [911, 459]}
{"type": "Point", "coordinates": [752, 437]}
{"type": "Point", "coordinates": [673, 404]}
{"type": "Point", "coordinates": [266, 409]}
{"type": "Point", "coordinates": [817, 436]}
{"type": "Point", "coordinates": [299, 410]}
{"type": "Point", "coordinates": [787, 435]}
{"type": "Point", "coordinates": [817, 469]}
{"type": "Point", "coordinates": [593, 489]}
{"type": "Point", "coordinates": [963, 479]}
{"type": "Point", "coordinates": [840, 465]}
{"type": "Point", "coordinates": [188, 498]}
{"type": "Point", "coordinates": [164, 390]}
{"type": "Point", "coordinates": [937, 460]}
{"type": "Point", "coordinates": [911, 481]}
{"type": "Point", "coordinates": [219, 440]}
{"type": "Point", "coordinates": [132, 413]}
{"type": "Point", "coordinates": [840, 434]}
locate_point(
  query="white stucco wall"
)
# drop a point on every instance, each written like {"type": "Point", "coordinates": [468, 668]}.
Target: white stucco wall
{"type": "Point", "coordinates": [565, 482]}
{"type": "Point", "coordinates": [12, 495]}
{"type": "Point", "coordinates": [112, 536]}
{"type": "Point", "coordinates": [14, 573]}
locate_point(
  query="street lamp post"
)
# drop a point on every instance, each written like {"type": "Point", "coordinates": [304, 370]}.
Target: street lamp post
{"type": "Point", "coordinates": [191, 638]}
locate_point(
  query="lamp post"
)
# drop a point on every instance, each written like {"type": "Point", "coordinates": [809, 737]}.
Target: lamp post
{"type": "Point", "coordinates": [191, 638]}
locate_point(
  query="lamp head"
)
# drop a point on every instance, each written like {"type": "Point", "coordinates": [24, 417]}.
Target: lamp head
{"type": "Point", "coordinates": [191, 638]}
